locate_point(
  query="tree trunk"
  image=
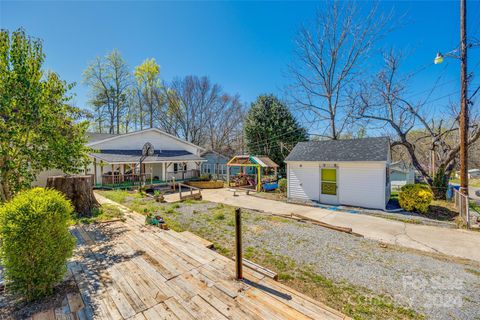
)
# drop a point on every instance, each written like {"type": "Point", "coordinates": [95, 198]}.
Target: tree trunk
{"type": "Point", "coordinates": [78, 189]}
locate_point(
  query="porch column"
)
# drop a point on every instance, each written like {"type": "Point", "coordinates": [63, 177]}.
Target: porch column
{"type": "Point", "coordinates": [122, 171]}
{"type": "Point", "coordinates": [94, 171]}
{"type": "Point", "coordinates": [228, 176]}
{"type": "Point", "coordinates": [101, 172]}
{"type": "Point", "coordinates": [164, 171]}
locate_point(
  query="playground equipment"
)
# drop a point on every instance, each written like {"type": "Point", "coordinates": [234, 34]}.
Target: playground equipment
{"type": "Point", "coordinates": [260, 178]}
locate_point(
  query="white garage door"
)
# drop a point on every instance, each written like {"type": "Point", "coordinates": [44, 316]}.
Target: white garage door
{"type": "Point", "coordinates": [362, 186]}
{"type": "Point", "coordinates": [304, 181]}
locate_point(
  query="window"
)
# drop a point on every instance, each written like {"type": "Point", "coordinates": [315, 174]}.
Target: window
{"type": "Point", "coordinates": [329, 181]}
{"type": "Point", "coordinates": [179, 167]}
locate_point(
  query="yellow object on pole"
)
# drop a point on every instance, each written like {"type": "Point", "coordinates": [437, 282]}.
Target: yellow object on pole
{"type": "Point", "coordinates": [259, 179]}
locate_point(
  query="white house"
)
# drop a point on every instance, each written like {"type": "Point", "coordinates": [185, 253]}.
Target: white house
{"type": "Point", "coordinates": [474, 173]}
{"type": "Point", "coordinates": [116, 158]}
{"type": "Point", "coordinates": [340, 172]}
{"type": "Point", "coordinates": [401, 173]}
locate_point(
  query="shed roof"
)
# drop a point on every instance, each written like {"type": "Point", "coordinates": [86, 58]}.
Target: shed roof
{"type": "Point", "coordinates": [243, 160]}
{"type": "Point", "coordinates": [133, 156]}
{"type": "Point", "coordinates": [366, 149]}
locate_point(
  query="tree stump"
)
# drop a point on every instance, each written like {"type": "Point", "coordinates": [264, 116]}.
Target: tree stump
{"type": "Point", "coordinates": [78, 189]}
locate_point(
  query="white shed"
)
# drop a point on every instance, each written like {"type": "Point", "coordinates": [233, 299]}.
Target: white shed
{"type": "Point", "coordinates": [340, 172]}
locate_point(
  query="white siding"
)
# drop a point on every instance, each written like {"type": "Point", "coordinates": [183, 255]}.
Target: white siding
{"type": "Point", "coordinates": [136, 141]}
{"type": "Point", "coordinates": [362, 184]}
{"type": "Point", "coordinates": [303, 181]}
{"type": "Point", "coordinates": [41, 180]}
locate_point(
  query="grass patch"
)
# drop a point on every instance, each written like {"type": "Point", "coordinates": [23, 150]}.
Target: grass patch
{"type": "Point", "coordinates": [473, 271]}
{"type": "Point", "coordinates": [104, 213]}
{"type": "Point", "coordinates": [119, 196]}
{"type": "Point", "coordinates": [394, 195]}
{"type": "Point", "coordinates": [471, 182]}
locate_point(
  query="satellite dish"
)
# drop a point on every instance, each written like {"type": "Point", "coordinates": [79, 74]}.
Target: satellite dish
{"type": "Point", "coordinates": [148, 149]}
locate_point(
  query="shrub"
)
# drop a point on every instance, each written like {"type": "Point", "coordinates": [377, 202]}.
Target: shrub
{"type": "Point", "coordinates": [205, 177]}
{"type": "Point", "coordinates": [36, 242]}
{"type": "Point", "coordinates": [415, 197]}
{"type": "Point", "coordinates": [282, 185]}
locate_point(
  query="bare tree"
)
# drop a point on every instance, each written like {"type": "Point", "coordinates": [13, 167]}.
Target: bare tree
{"type": "Point", "coordinates": [413, 125]}
{"type": "Point", "coordinates": [225, 124]}
{"type": "Point", "coordinates": [191, 100]}
{"type": "Point", "coordinates": [108, 78]}
{"type": "Point", "coordinates": [330, 59]}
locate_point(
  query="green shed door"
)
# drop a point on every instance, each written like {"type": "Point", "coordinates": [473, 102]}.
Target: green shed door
{"type": "Point", "coordinates": [329, 181]}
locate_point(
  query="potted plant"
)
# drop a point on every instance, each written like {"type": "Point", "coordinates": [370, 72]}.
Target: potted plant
{"type": "Point", "coordinates": [158, 196]}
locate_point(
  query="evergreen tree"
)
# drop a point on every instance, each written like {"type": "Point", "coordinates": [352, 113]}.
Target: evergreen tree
{"type": "Point", "coordinates": [271, 129]}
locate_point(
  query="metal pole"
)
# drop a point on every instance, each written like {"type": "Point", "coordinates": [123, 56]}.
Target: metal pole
{"type": "Point", "coordinates": [238, 244]}
{"type": "Point", "coordinates": [463, 100]}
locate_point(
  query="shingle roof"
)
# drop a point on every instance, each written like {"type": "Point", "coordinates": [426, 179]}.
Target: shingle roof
{"type": "Point", "coordinates": [94, 136]}
{"type": "Point", "coordinates": [133, 156]}
{"type": "Point", "coordinates": [367, 149]}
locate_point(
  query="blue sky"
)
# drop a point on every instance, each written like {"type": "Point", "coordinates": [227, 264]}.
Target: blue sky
{"type": "Point", "coordinates": [243, 46]}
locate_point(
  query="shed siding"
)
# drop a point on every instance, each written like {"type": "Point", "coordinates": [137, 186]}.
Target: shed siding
{"type": "Point", "coordinates": [303, 181]}
{"type": "Point", "coordinates": [362, 184]}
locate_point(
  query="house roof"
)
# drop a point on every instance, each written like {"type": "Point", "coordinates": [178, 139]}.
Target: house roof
{"type": "Point", "coordinates": [401, 166]}
{"type": "Point", "coordinates": [133, 156]}
{"type": "Point", "coordinates": [366, 149]}
{"type": "Point", "coordinates": [95, 136]}
{"type": "Point", "coordinates": [214, 152]}
{"type": "Point", "coordinates": [116, 136]}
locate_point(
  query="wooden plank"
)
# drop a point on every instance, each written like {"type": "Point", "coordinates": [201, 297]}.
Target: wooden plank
{"type": "Point", "coordinates": [125, 298]}
{"type": "Point", "coordinates": [160, 311]}
{"type": "Point", "coordinates": [138, 316]}
{"type": "Point", "coordinates": [44, 315]}
{"type": "Point", "coordinates": [309, 305]}
{"type": "Point", "coordinates": [260, 269]}
{"type": "Point", "coordinates": [201, 309]}
{"type": "Point", "coordinates": [86, 238]}
{"type": "Point", "coordinates": [164, 263]}
{"type": "Point", "coordinates": [142, 290]}
{"type": "Point", "coordinates": [279, 308]}
{"type": "Point", "coordinates": [196, 239]}
{"type": "Point", "coordinates": [178, 309]}
{"type": "Point", "coordinates": [75, 302]}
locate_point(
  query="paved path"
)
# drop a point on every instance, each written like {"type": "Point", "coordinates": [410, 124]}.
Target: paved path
{"type": "Point", "coordinates": [472, 191]}
{"type": "Point", "coordinates": [459, 243]}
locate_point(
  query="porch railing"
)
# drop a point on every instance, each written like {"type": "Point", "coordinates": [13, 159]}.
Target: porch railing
{"type": "Point", "coordinates": [125, 179]}
{"type": "Point", "coordinates": [183, 175]}
{"type": "Point", "coordinates": [462, 204]}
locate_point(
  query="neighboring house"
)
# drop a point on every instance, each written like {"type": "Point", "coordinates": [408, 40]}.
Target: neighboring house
{"type": "Point", "coordinates": [474, 173]}
{"type": "Point", "coordinates": [401, 173]}
{"type": "Point", "coordinates": [340, 172]}
{"type": "Point", "coordinates": [216, 164]}
{"type": "Point", "coordinates": [116, 158]}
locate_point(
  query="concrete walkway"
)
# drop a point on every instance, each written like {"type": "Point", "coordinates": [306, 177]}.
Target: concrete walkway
{"type": "Point", "coordinates": [453, 242]}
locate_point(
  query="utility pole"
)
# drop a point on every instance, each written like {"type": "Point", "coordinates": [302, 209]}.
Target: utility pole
{"type": "Point", "coordinates": [463, 100]}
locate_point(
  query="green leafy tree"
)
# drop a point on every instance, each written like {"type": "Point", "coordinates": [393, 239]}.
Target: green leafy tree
{"type": "Point", "coordinates": [38, 129]}
{"type": "Point", "coordinates": [271, 129]}
{"type": "Point", "coordinates": [149, 85]}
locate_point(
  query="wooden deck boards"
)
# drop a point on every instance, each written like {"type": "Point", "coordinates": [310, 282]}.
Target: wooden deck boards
{"type": "Point", "coordinates": [126, 270]}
